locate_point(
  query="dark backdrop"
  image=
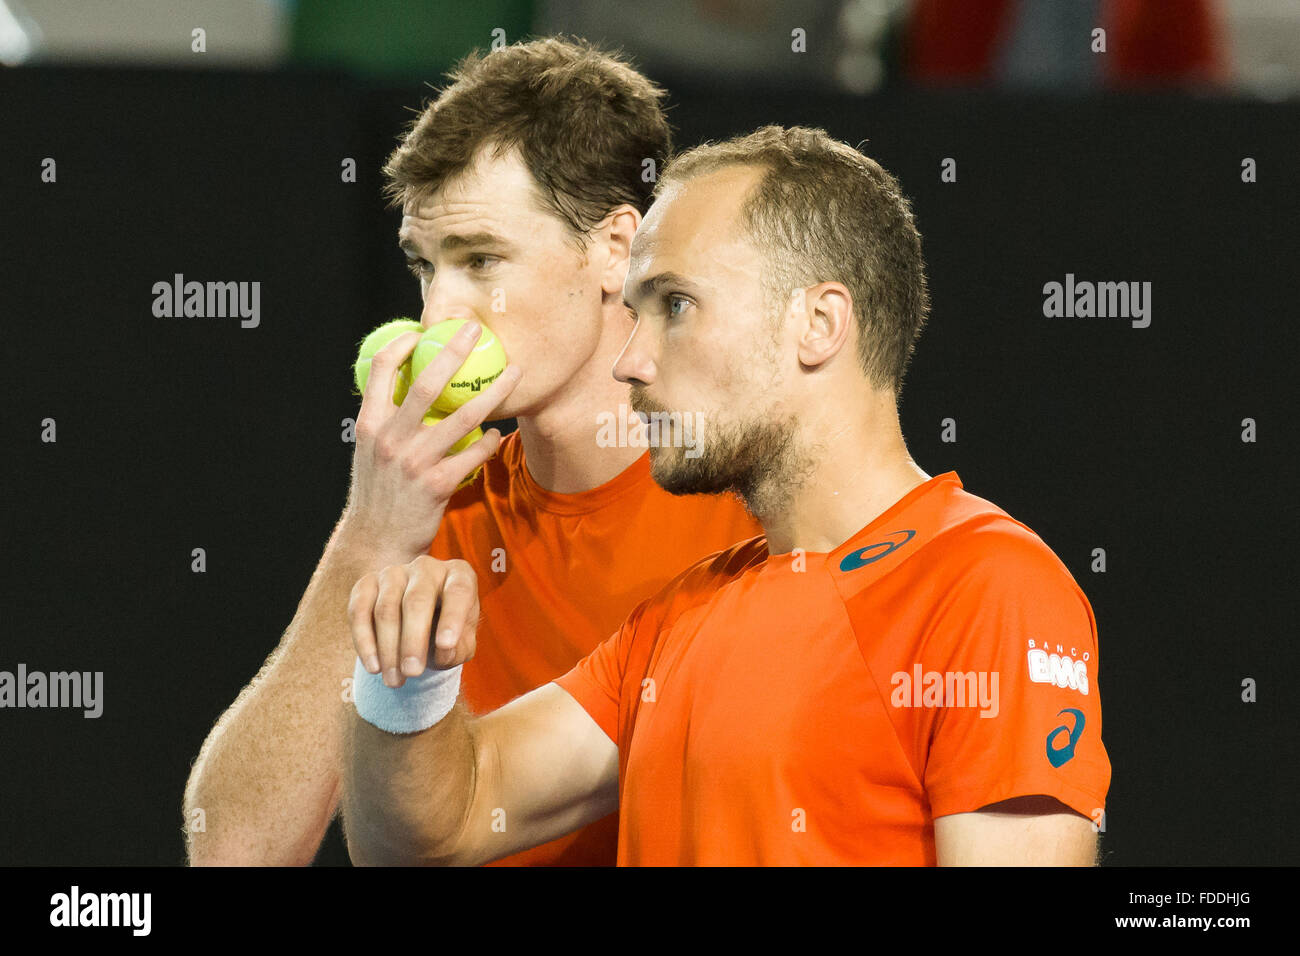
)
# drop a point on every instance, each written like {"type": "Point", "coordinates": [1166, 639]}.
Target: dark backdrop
{"type": "Point", "coordinates": [182, 433]}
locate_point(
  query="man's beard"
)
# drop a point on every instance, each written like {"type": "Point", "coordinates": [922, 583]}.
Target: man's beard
{"type": "Point", "coordinates": [758, 460]}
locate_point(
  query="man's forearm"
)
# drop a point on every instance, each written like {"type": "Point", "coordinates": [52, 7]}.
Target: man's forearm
{"type": "Point", "coordinates": [407, 797]}
{"type": "Point", "coordinates": [267, 778]}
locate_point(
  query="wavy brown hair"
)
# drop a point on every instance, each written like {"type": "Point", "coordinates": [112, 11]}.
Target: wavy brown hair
{"type": "Point", "coordinates": [584, 122]}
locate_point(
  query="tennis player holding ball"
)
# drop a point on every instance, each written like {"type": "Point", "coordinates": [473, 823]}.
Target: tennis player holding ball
{"type": "Point", "coordinates": [485, 364]}
{"type": "Point", "coordinates": [521, 187]}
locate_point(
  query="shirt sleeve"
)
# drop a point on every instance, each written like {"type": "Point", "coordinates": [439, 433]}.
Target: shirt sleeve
{"type": "Point", "coordinates": [596, 681]}
{"type": "Point", "coordinates": [1017, 630]}
{"type": "Point", "coordinates": [607, 682]}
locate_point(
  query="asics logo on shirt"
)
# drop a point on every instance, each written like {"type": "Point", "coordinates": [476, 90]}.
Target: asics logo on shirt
{"type": "Point", "coordinates": [1059, 756]}
{"type": "Point", "coordinates": [860, 559]}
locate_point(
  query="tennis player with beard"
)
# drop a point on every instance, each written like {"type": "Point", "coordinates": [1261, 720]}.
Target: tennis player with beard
{"type": "Point", "coordinates": [896, 672]}
{"type": "Point", "coordinates": [521, 186]}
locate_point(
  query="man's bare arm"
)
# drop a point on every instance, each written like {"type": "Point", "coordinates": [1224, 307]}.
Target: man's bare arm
{"type": "Point", "coordinates": [267, 777]}
{"type": "Point", "coordinates": [471, 790]}
{"type": "Point", "coordinates": [466, 790]}
{"type": "Point", "coordinates": [1023, 831]}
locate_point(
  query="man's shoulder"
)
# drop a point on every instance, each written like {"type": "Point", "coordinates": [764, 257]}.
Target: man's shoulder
{"type": "Point", "coordinates": [973, 536]}
{"type": "Point", "coordinates": [701, 581]}
{"type": "Point", "coordinates": [995, 547]}
{"type": "Point", "coordinates": [993, 576]}
{"type": "Point", "coordinates": [966, 553]}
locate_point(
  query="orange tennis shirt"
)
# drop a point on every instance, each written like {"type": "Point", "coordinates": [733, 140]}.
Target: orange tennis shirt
{"type": "Point", "coordinates": [557, 573]}
{"type": "Point", "coordinates": [825, 708]}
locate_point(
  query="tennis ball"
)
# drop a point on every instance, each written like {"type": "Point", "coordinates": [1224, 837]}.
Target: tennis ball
{"type": "Point", "coordinates": [461, 445]}
{"type": "Point", "coordinates": [465, 442]}
{"type": "Point", "coordinates": [375, 341]}
{"type": "Point", "coordinates": [431, 417]}
{"type": "Point", "coordinates": [483, 367]}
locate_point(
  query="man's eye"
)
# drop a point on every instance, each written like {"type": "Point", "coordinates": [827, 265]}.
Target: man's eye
{"type": "Point", "coordinates": [416, 266]}
{"type": "Point", "coordinates": [481, 260]}
{"type": "Point", "coordinates": [673, 302]}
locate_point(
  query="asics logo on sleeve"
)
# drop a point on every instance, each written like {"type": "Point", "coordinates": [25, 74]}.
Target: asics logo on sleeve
{"type": "Point", "coordinates": [1059, 756]}
{"type": "Point", "coordinates": [860, 559]}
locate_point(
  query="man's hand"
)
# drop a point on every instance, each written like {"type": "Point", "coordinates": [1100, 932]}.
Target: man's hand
{"type": "Point", "coordinates": [402, 477]}
{"type": "Point", "coordinates": [439, 795]}
{"type": "Point", "coordinates": [393, 611]}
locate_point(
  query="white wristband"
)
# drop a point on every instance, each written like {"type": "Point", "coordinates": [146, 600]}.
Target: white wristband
{"type": "Point", "coordinates": [417, 705]}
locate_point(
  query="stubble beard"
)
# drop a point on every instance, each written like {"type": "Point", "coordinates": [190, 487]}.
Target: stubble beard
{"type": "Point", "coordinates": [759, 459]}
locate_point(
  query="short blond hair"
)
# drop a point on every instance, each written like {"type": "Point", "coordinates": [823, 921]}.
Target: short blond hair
{"type": "Point", "coordinates": [824, 211]}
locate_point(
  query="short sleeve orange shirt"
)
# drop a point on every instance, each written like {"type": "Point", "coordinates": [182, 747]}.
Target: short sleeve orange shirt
{"type": "Point", "coordinates": [824, 708]}
{"type": "Point", "coordinates": [558, 572]}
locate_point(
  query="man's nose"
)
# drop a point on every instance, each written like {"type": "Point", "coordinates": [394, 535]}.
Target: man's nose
{"type": "Point", "coordinates": [635, 365]}
{"type": "Point", "coordinates": [441, 303]}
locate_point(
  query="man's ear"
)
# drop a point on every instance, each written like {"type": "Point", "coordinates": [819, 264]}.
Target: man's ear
{"type": "Point", "coordinates": [825, 315]}
{"type": "Point", "coordinates": [616, 232]}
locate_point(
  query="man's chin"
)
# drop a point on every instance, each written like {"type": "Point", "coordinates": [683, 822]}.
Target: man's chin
{"type": "Point", "coordinates": [678, 475]}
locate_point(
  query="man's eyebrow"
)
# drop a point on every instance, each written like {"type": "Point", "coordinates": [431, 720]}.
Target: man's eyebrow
{"type": "Point", "coordinates": [657, 283]}
{"type": "Point", "coordinates": [452, 242]}
{"type": "Point", "coordinates": [476, 239]}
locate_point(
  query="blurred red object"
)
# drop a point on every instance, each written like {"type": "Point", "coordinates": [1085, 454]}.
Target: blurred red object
{"type": "Point", "coordinates": [1147, 41]}
{"type": "Point", "coordinates": [955, 39]}
{"type": "Point", "coordinates": [1150, 42]}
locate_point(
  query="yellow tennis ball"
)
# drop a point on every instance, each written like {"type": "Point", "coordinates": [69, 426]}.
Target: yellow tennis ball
{"type": "Point", "coordinates": [483, 367]}
{"type": "Point", "coordinates": [465, 442]}
{"type": "Point", "coordinates": [432, 417]}
{"type": "Point", "coordinates": [375, 341]}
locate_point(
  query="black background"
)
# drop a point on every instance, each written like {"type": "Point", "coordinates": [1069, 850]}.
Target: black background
{"type": "Point", "coordinates": [182, 433]}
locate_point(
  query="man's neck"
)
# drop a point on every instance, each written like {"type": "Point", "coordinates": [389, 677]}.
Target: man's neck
{"type": "Point", "coordinates": [864, 471]}
{"type": "Point", "coordinates": [560, 443]}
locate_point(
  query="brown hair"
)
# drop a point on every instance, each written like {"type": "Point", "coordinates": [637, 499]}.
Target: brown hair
{"type": "Point", "coordinates": [823, 211]}
{"type": "Point", "coordinates": [584, 121]}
